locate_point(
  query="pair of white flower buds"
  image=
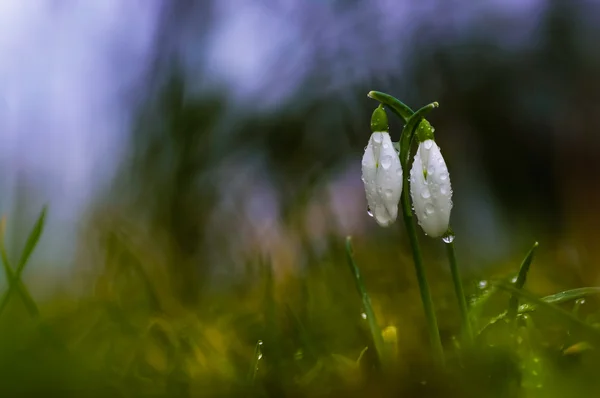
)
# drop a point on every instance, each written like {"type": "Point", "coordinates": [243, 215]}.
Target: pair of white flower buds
{"type": "Point", "coordinates": [429, 181]}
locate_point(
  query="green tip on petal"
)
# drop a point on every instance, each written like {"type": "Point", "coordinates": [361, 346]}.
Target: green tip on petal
{"type": "Point", "coordinates": [425, 131]}
{"type": "Point", "coordinates": [379, 120]}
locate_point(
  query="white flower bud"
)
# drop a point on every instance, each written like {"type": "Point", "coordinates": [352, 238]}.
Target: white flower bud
{"type": "Point", "coordinates": [430, 189]}
{"type": "Point", "coordinates": [382, 176]}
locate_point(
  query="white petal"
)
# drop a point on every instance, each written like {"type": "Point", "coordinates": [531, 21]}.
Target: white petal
{"type": "Point", "coordinates": [382, 176]}
{"type": "Point", "coordinates": [369, 170]}
{"type": "Point", "coordinates": [430, 189]}
{"type": "Point", "coordinates": [389, 177]}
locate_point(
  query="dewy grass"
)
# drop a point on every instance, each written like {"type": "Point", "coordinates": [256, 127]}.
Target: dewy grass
{"type": "Point", "coordinates": [134, 337]}
{"type": "Point", "coordinates": [374, 328]}
{"type": "Point", "coordinates": [458, 287]}
{"type": "Point", "coordinates": [513, 304]}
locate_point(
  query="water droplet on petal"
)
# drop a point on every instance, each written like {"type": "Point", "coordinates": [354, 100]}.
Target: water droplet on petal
{"type": "Point", "coordinates": [377, 138]}
{"type": "Point", "coordinates": [425, 194]}
{"type": "Point", "coordinates": [399, 172]}
{"type": "Point", "coordinates": [448, 238]}
{"type": "Point", "coordinates": [369, 212]}
{"type": "Point", "coordinates": [388, 193]}
{"type": "Point", "coordinates": [428, 144]}
{"type": "Point", "coordinates": [444, 176]}
{"type": "Point", "coordinates": [430, 171]}
{"type": "Point", "coordinates": [385, 146]}
{"type": "Point", "coordinates": [429, 208]}
{"type": "Point", "coordinates": [386, 162]}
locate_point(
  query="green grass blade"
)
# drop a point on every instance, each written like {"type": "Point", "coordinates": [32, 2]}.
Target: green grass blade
{"type": "Point", "coordinates": [557, 298]}
{"type": "Point", "coordinates": [573, 294]}
{"type": "Point", "coordinates": [32, 240]}
{"type": "Point", "coordinates": [513, 304]}
{"type": "Point", "coordinates": [590, 333]}
{"type": "Point", "coordinates": [366, 301]}
{"type": "Point", "coordinates": [14, 281]}
{"type": "Point", "coordinates": [255, 361]}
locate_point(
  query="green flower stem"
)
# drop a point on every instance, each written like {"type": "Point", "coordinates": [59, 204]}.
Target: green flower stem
{"type": "Point", "coordinates": [458, 289]}
{"type": "Point", "coordinates": [397, 106]}
{"type": "Point", "coordinates": [434, 333]}
{"type": "Point", "coordinates": [412, 120]}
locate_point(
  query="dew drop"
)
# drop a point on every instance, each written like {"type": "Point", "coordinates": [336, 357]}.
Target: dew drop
{"type": "Point", "coordinates": [429, 208]}
{"type": "Point", "coordinates": [425, 194]}
{"type": "Point", "coordinates": [428, 144]}
{"type": "Point", "coordinates": [444, 176]}
{"type": "Point", "coordinates": [377, 138]}
{"type": "Point", "coordinates": [482, 284]}
{"type": "Point", "coordinates": [369, 212]}
{"type": "Point", "coordinates": [385, 146]}
{"type": "Point", "coordinates": [386, 162]}
{"type": "Point", "coordinates": [580, 301]}
{"type": "Point", "coordinates": [448, 238]}
{"type": "Point", "coordinates": [430, 171]}
{"type": "Point", "coordinates": [366, 148]}
{"type": "Point", "coordinates": [363, 315]}
{"type": "Point", "coordinates": [399, 172]}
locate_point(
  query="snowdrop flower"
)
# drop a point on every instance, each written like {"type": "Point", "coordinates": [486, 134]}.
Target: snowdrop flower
{"type": "Point", "coordinates": [382, 172]}
{"type": "Point", "coordinates": [430, 187]}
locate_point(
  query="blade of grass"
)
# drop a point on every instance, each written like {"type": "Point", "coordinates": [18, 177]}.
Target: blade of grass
{"type": "Point", "coordinates": [557, 298]}
{"type": "Point", "coordinates": [32, 240]}
{"type": "Point", "coordinates": [14, 278]}
{"type": "Point", "coordinates": [513, 303]}
{"type": "Point", "coordinates": [458, 289]}
{"type": "Point", "coordinates": [255, 361]}
{"type": "Point", "coordinates": [590, 332]}
{"type": "Point", "coordinates": [366, 302]}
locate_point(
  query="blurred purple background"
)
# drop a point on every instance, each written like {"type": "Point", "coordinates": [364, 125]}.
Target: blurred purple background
{"type": "Point", "coordinates": [518, 83]}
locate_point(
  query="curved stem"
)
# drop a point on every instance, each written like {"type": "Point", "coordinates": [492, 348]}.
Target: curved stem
{"type": "Point", "coordinates": [458, 289]}
{"type": "Point", "coordinates": [432, 326]}
{"type": "Point", "coordinates": [397, 106]}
